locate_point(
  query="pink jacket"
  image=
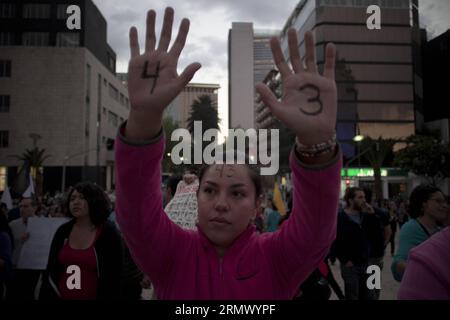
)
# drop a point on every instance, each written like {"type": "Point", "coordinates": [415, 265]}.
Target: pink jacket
{"type": "Point", "coordinates": [184, 265]}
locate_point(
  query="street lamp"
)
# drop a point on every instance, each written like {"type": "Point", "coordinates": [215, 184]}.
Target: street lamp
{"type": "Point", "coordinates": [66, 158]}
{"type": "Point", "coordinates": [358, 138]}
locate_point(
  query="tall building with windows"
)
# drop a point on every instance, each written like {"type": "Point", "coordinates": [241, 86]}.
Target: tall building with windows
{"type": "Point", "coordinates": [58, 90]}
{"type": "Point", "coordinates": [249, 61]}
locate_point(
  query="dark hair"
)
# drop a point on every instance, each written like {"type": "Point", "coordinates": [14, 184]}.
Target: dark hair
{"type": "Point", "coordinates": [98, 202]}
{"type": "Point", "coordinates": [253, 172]}
{"type": "Point", "coordinates": [368, 194]}
{"type": "Point", "coordinates": [172, 183]}
{"type": "Point", "coordinates": [418, 197]}
{"type": "Point", "coordinates": [4, 227]}
{"type": "Point", "coordinates": [350, 194]}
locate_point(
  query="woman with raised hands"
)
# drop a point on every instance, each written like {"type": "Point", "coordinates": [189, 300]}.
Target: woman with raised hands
{"type": "Point", "coordinates": [225, 258]}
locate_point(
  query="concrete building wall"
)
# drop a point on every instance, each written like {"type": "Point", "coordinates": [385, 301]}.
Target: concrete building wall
{"type": "Point", "coordinates": [49, 90]}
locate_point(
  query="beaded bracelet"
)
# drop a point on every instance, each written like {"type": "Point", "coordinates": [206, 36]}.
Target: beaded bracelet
{"type": "Point", "coordinates": [315, 150]}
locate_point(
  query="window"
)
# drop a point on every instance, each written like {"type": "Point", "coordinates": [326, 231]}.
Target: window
{"type": "Point", "coordinates": [61, 11]}
{"type": "Point", "coordinates": [6, 38]}
{"type": "Point", "coordinates": [122, 99]}
{"type": "Point", "coordinates": [67, 39]}
{"type": "Point", "coordinates": [4, 103]}
{"type": "Point", "coordinates": [113, 92]}
{"type": "Point", "coordinates": [36, 11]}
{"type": "Point", "coordinates": [127, 103]}
{"type": "Point", "coordinates": [105, 82]}
{"type": "Point", "coordinates": [4, 139]}
{"type": "Point", "coordinates": [5, 68]}
{"type": "Point", "coordinates": [7, 10]}
{"type": "Point", "coordinates": [37, 39]}
{"type": "Point", "coordinates": [113, 118]}
{"type": "Point", "coordinates": [104, 111]}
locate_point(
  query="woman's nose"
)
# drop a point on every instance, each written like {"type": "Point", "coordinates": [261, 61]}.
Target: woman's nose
{"type": "Point", "coordinates": [222, 202]}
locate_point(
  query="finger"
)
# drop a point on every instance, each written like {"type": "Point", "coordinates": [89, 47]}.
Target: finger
{"type": "Point", "coordinates": [310, 52]}
{"type": "Point", "coordinates": [150, 37]}
{"type": "Point", "coordinates": [268, 97]}
{"type": "Point", "coordinates": [278, 58]}
{"type": "Point", "coordinates": [188, 74]}
{"type": "Point", "coordinates": [294, 51]}
{"type": "Point", "coordinates": [330, 61]}
{"type": "Point", "coordinates": [166, 32]}
{"type": "Point", "coordinates": [181, 38]}
{"type": "Point", "coordinates": [134, 43]}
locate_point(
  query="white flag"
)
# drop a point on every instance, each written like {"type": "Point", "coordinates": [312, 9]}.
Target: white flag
{"type": "Point", "coordinates": [30, 190]}
{"type": "Point", "coordinates": [6, 198]}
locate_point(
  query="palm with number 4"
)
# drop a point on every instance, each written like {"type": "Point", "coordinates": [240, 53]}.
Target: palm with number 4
{"type": "Point", "coordinates": [309, 103]}
{"type": "Point", "coordinates": [153, 81]}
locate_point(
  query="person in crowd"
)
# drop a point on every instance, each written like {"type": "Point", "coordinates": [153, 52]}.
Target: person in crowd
{"type": "Point", "coordinates": [393, 221]}
{"type": "Point", "coordinates": [24, 281]}
{"type": "Point", "coordinates": [379, 233]}
{"type": "Point", "coordinates": [171, 187]}
{"type": "Point", "coordinates": [428, 209]}
{"type": "Point", "coordinates": [4, 210]}
{"type": "Point", "coordinates": [6, 247]}
{"type": "Point", "coordinates": [14, 213]}
{"type": "Point", "coordinates": [225, 258]}
{"type": "Point", "coordinates": [427, 276]}
{"type": "Point", "coordinates": [88, 241]}
{"type": "Point", "coordinates": [272, 216]}
{"type": "Point", "coordinates": [402, 214]}
{"type": "Point", "coordinates": [355, 227]}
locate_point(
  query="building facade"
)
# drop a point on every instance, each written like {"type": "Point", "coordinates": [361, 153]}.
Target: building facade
{"type": "Point", "coordinates": [61, 89]}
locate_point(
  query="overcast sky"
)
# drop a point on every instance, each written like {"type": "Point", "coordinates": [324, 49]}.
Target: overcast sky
{"type": "Point", "coordinates": [210, 22]}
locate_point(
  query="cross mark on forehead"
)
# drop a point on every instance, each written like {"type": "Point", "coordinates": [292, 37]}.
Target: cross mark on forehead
{"type": "Point", "coordinates": [228, 172]}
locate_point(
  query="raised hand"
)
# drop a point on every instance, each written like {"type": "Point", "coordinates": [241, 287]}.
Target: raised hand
{"type": "Point", "coordinates": [309, 103]}
{"type": "Point", "coordinates": [153, 81]}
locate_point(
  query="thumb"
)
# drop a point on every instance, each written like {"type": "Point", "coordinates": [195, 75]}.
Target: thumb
{"type": "Point", "coordinates": [188, 74]}
{"type": "Point", "coordinates": [268, 97]}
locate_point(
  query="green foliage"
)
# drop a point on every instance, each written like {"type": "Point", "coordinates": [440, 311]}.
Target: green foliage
{"type": "Point", "coordinates": [169, 126]}
{"type": "Point", "coordinates": [203, 110]}
{"type": "Point", "coordinates": [32, 157]}
{"type": "Point", "coordinates": [425, 156]}
{"type": "Point", "coordinates": [377, 152]}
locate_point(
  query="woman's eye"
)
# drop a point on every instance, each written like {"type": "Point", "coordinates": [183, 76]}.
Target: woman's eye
{"type": "Point", "coordinates": [208, 190]}
{"type": "Point", "coordinates": [238, 194]}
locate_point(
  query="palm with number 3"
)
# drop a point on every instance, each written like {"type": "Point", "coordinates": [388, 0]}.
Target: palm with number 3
{"type": "Point", "coordinates": [309, 103]}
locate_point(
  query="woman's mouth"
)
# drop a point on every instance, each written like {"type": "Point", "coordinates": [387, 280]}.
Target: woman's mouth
{"type": "Point", "coordinates": [220, 220]}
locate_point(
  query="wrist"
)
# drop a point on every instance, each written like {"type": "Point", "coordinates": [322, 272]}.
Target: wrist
{"type": "Point", "coordinates": [138, 130]}
{"type": "Point", "coordinates": [323, 148]}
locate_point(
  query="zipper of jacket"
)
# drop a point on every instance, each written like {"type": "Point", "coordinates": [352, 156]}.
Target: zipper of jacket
{"type": "Point", "coordinates": [96, 260]}
{"type": "Point", "coordinates": [221, 268]}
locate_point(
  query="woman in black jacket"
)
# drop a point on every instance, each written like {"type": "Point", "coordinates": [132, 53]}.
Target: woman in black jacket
{"type": "Point", "coordinates": [85, 258]}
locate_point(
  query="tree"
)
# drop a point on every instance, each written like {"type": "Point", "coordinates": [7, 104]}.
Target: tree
{"type": "Point", "coordinates": [377, 152]}
{"type": "Point", "coordinates": [34, 159]}
{"type": "Point", "coordinates": [203, 110]}
{"type": "Point", "coordinates": [169, 126]}
{"type": "Point", "coordinates": [425, 156]}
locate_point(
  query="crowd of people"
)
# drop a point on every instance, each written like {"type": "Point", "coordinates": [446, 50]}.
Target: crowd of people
{"type": "Point", "coordinates": [241, 246]}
